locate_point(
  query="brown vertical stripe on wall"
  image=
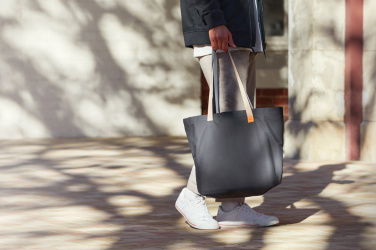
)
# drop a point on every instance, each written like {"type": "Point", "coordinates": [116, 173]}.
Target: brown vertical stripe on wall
{"type": "Point", "coordinates": [353, 76]}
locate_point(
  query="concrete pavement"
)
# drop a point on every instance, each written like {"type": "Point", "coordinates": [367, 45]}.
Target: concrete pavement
{"type": "Point", "coordinates": [120, 193]}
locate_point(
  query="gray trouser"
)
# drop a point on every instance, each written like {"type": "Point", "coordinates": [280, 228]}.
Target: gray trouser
{"type": "Point", "coordinates": [229, 94]}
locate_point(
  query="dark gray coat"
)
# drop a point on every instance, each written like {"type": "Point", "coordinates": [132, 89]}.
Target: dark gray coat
{"type": "Point", "coordinates": [199, 16]}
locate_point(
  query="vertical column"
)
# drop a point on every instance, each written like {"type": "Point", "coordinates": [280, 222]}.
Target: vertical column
{"type": "Point", "coordinates": [316, 128]}
{"type": "Point", "coordinates": [353, 76]}
{"type": "Point", "coordinates": [368, 126]}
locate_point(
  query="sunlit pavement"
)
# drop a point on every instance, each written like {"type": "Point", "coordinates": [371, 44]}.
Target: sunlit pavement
{"type": "Point", "coordinates": [120, 194]}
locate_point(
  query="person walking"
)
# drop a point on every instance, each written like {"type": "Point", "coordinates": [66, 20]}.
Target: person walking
{"type": "Point", "coordinates": [222, 25]}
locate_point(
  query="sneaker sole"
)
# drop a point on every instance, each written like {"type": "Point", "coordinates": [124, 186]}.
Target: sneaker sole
{"type": "Point", "coordinates": [190, 223]}
{"type": "Point", "coordinates": [237, 224]}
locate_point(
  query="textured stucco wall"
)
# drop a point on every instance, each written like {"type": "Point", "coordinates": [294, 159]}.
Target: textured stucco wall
{"type": "Point", "coordinates": [72, 68]}
{"type": "Point", "coordinates": [272, 71]}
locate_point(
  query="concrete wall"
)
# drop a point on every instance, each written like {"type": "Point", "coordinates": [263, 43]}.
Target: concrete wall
{"type": "Point", "coordinates": [368, 127]}
{"type": "Point", "coordinates": [94, 68]}
{"type": "Point", "coordinates": [271, 71]}
{"type": "Point", "coordinates": [315, 129]}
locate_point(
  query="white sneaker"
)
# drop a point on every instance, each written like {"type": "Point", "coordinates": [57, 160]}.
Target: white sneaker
{"type": "Point", "coordinates": [244, 216]}
{"type": "Point", "coordinates": [193, 207]}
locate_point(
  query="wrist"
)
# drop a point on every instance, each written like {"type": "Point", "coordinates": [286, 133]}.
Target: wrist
{"type": "Point", "coordinates": [214, 19]}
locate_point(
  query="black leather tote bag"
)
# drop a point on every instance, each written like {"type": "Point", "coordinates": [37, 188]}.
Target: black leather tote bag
{"type": "Point", "coordinates": [239, 153]}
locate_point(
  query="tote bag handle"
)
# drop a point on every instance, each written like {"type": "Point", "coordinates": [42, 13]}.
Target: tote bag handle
{"type": "Point", "coordinates": [213, 97]}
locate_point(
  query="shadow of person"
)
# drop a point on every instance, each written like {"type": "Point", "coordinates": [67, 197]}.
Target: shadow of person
{"type": "Point", "coordinates": [308, 186]}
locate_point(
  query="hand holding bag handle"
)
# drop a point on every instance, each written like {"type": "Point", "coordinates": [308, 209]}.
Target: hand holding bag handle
{"type": "Point", "coordinates": [214, 88]}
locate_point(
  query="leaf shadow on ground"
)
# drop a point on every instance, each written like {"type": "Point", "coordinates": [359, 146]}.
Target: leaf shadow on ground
{"type": "Point", "coordinates": [82, 163]}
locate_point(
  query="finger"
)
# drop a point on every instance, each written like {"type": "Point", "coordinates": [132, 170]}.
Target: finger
{"type": "Point", "coordinates": [231, 42]}
{"type": "Point", "coordinates": [224, 45]}
{"type": "Point", "coordinates": [214, 45]}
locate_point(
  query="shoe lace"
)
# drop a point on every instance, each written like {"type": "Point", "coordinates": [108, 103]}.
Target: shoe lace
{"type": "Point", "coordinates": [200, 204]}
{"type": "Point", "coordinates": [198, 201]}
{"type": "Point", "coordinates": [248, 209]}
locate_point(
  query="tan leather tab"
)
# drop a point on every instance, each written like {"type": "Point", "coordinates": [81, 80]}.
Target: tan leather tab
{"type": "Point", "coordinates": [250, 119]}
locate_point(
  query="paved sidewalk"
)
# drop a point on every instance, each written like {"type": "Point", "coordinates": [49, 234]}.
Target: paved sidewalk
{"type": "Point", "coordinates": [120, 194]}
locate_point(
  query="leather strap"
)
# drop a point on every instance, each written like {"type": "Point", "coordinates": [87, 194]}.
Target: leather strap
{"type": "Point", "coordinates": [214, 95]}
{"type": "Point", "coordinates": [245, 97]}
